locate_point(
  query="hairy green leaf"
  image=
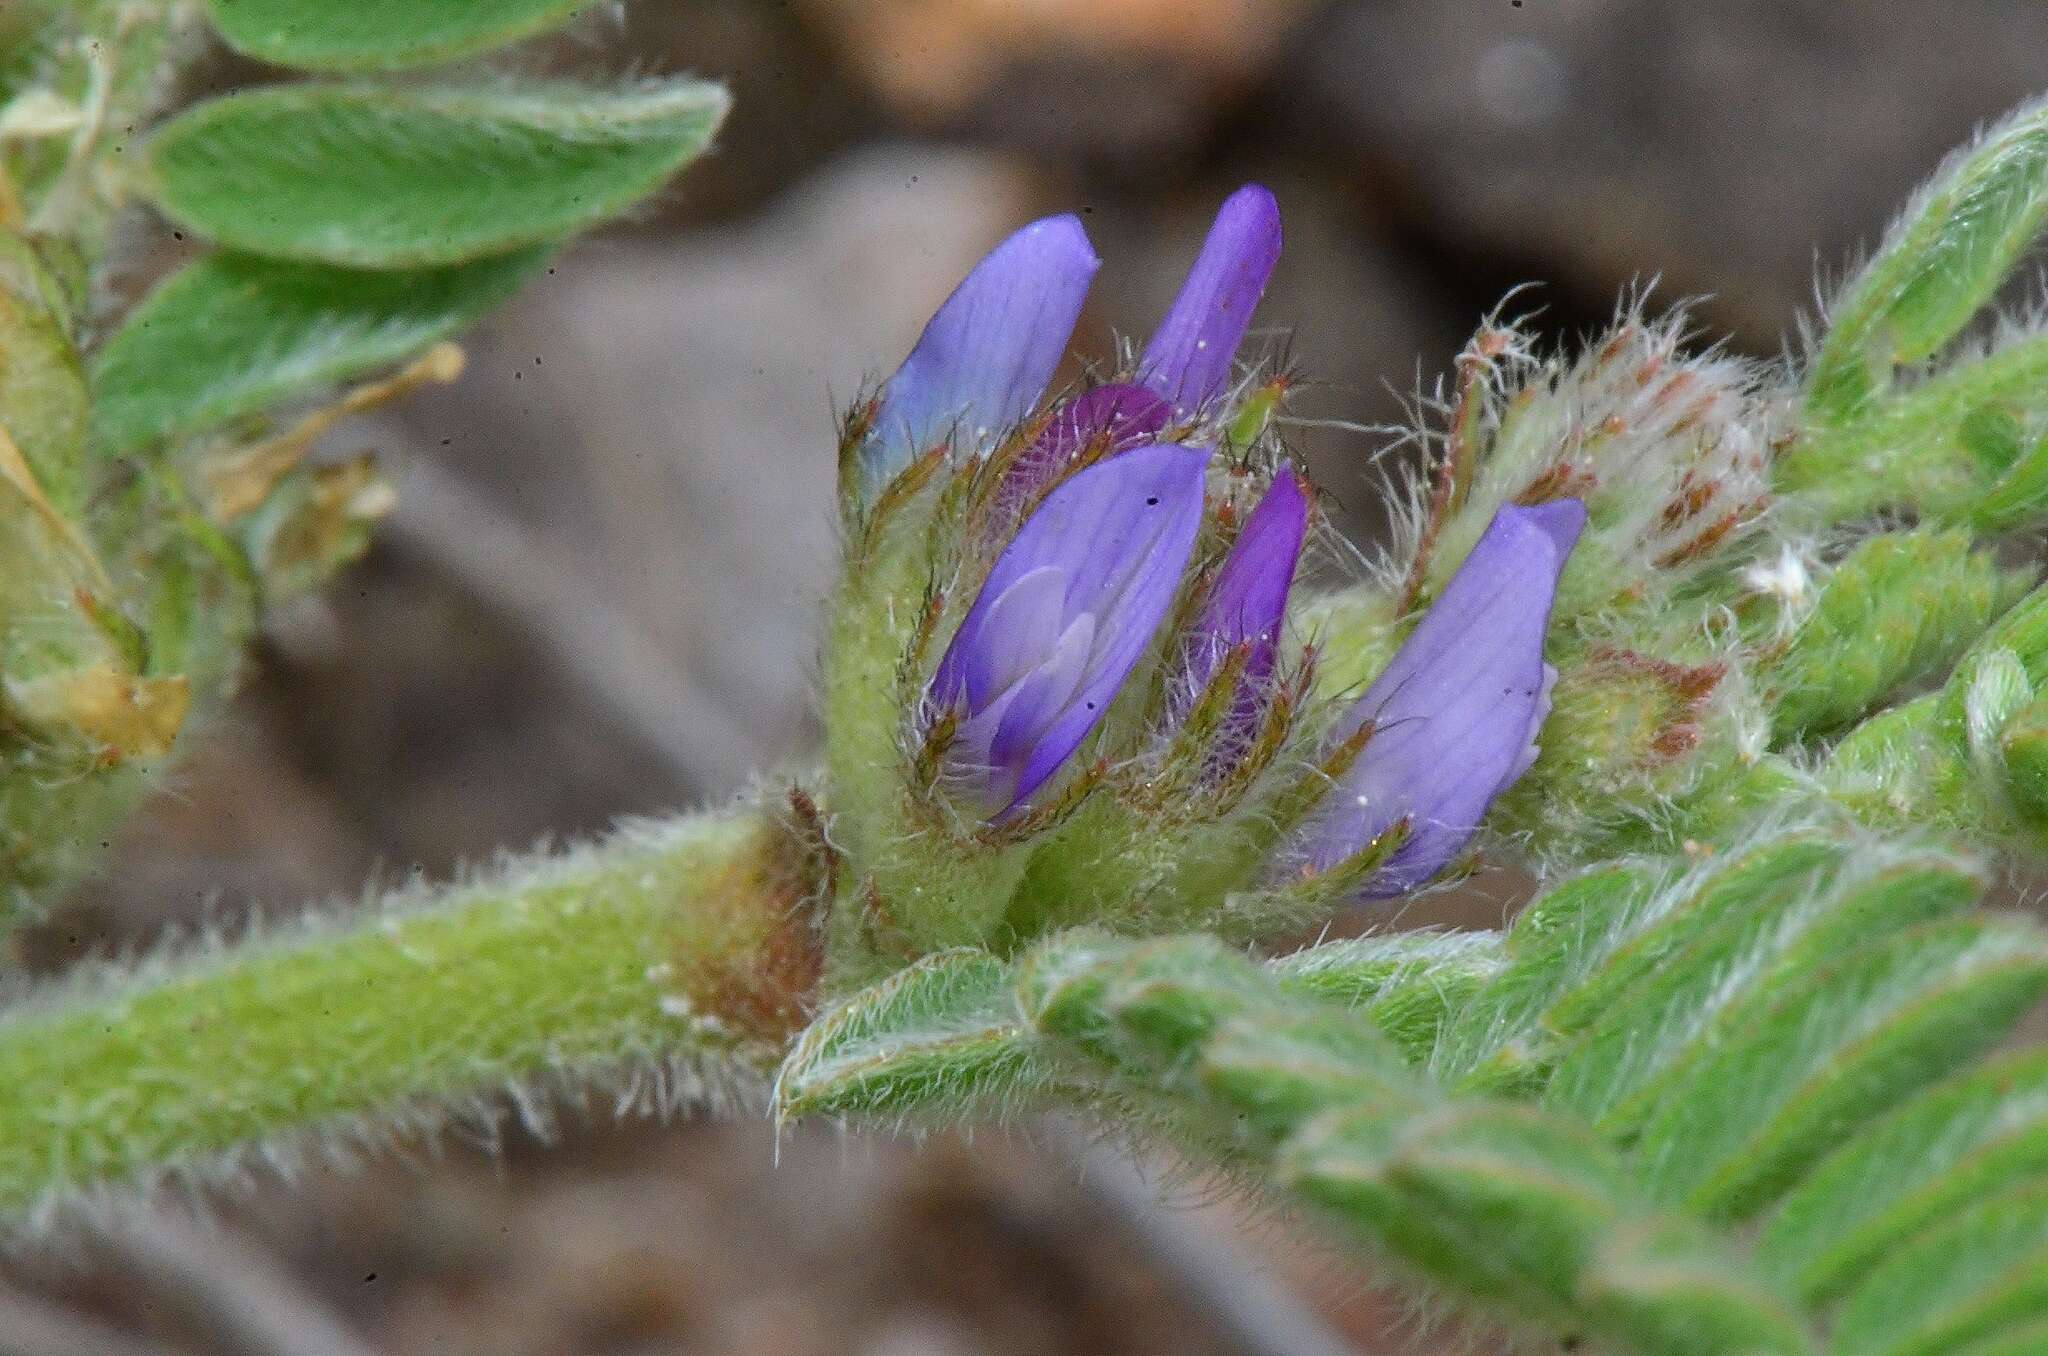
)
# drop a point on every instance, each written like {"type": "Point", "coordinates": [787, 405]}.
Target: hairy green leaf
{"type": "Point", "coordinates": [42, 397]}
{"type": "Point", "coordinates": [1863, 1032]}
{"type": "Point", "coordinates": [1277, 1069]}
{"type": "Point", "coordinates": [1552, 945]}
{"type": "Point", "coordinates": [1980, 1272]}
{"type": "Point", "coordinates": [1406, 983]}
{"type": "Point", "coordinates": [1955, 1144]}
{"type": "Point", "coordinates": [379, 34]}
{"type": "Point", "coordinates": [1663, 1286]}
{"type": "Point", "coordinates": [232, 334]}
{"type": "Point", "coordinates": [1956, 242]}
{"type": "Point", "coordinates": [1531, 1213]}
{"type": "Point", "coordinates": [1783, 866]}
{"type": "Point", "coordinates": [1546, 1186]}
{"type": "Point", "coordinates": [1657, 994]}
{"type": "Point", "coordinates": [1743, 965]}
{"type": "Point", "coordinates": [377, 177]}
{"type": "Point", "coordinates": [1901, 606]}
{"type": "Point", "coordinates": [940, 1036]}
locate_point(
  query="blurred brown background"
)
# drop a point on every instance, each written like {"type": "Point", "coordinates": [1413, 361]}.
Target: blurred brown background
{"type": "Point", "coordinates": [597, 596]}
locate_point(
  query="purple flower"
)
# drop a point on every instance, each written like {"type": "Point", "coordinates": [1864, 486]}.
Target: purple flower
{"type": "Point", "coordinates": [1455, 714]}
{"type": "Point", "coordinates": [1248, 601]}
{"type": "Point", "coordinates": [986, 355]}
{"type": "Point", "coordinates": [1190, 355]}
{"type": "Point", "coordinates": [1068, 609]}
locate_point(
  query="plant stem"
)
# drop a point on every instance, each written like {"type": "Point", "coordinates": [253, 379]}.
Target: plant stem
{"type": "Point", "coordinates": [668, 965]}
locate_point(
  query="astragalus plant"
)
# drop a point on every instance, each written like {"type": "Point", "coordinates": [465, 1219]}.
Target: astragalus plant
{"type": "Point", "coordinates": [1744, 663]}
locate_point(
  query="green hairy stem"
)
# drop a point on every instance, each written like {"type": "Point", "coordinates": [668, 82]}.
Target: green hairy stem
{"type": "Point", "coordinates": [664, 967]}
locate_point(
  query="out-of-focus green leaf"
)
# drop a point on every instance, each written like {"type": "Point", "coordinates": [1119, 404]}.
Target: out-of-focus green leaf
{"type": "Point", "coordinates": [1978, 1275]}
{"type": "Point", "coordinates": [233, 334]}
{"type": "Point", "coordinates": [1960, 1142]}
{"type": "Point", "coordinates": [1952, 248]}
{"type": "Point", "coordinates": [375, 177]}
{"type": "Point", "coordinates": [379, 34]}
{"type": "Point", "coordinates": [1865, 1032]}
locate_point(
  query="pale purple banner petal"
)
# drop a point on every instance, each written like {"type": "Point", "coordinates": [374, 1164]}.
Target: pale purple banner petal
{"type": "Point", "coordinates": [987, 354]}
{"type": "Point", "coordinates": [1190, 356]}
{"type": "Point", "coordinates": [1456, 712]}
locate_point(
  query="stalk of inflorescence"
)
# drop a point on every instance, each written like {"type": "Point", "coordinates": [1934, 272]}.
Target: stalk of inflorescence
{"type": "Point", "coordinates": [664, 967]}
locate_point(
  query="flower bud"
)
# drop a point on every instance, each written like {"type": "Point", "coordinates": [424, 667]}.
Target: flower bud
{"type": "Point", "coordinates": [1190, 357]}
{"type": "Point", "coordinates": [1247, 603]}
{"type": "Point", "coordinates": [1663, 447]}
{"type": "Point", "coordinates": [988, 351]}
{"type": "Point", "coordinates": [1070, 606]}
{"type": "Point", "coordinates": [1452, 720]}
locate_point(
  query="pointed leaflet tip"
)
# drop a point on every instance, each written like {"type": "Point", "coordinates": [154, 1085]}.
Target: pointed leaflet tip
{"type": "Point", "coordinates": [1189, 357]}
{"type": "Point", "coordinates": [1457, 710]}
{"type": "Point", "coordinates": [987, 353]}
{"type": "Point", "coordinates": [1067, 611]}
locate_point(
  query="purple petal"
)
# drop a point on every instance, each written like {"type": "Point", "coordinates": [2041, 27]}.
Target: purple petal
{"type": "Point", "coordinates": [1068, 610]}
{"type": "Point", "coordinates": [1457, 711]}
{"type": "Point", "coordinates": [1189, 357]}
{"type": "Point", "coordinates": [987, 353]}
{"type": "Point", "coordinates": [1249, 598]}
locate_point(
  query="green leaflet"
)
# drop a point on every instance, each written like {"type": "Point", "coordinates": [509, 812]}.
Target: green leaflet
{"type": "Point", "coordinates": [1527, 1212]}
{"type": "Point", "coordinates": [1953, 246]}
{"type": "Point", "coordinates": [1782, 865]}
{"type": "Point", "coordinates": [939, 1037]}
{"type": "Point", "coordinates": [1662, 1286]}
{"type": "Point", "coordinates": [1977, 1274]}
{"type": "Point", "coordinates": [943, 1037]}
{"type": "Point", "coordinates": [1962, 1141]}
{"type": "Point", "coordinates": [1738, 966]}
{"type": "Point", "coordinates": [232, 335]}
{"type": "Point", "coordinates": [378, 34]}
{"type": "Point", "coordinates": [1637, 1011]}
{"type": "Point", "coordinates": [1551, 946]}
{"type": "Point", "coordinates": [377, 177]}
{"type": "Point", "coordinates": [1900, 607]}
{"type": "Point", "coordinates": [1856, 1037]}
{"type": "Point", "coordinates": [1431, 1182]}
{"type": "Point", "coordinates": [1407, 984]}
{"type": "Point", "coordinates": [2026, 1339]}
{"type": "Point", "coordinates": [1275, 1070]}
{"type": "Point", "coordinates": [42, 389]}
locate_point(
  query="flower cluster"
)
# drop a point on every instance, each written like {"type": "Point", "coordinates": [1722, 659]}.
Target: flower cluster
{"type": "Point", "coordinates": [1107, 576]}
